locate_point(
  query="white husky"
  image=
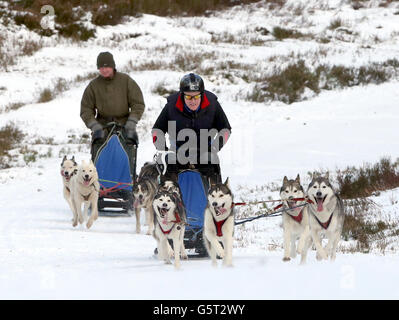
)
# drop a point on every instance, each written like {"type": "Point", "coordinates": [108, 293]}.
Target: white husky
{"type": "Point", "coordinates": [219, 223]}
{"type": "Point", "coordinates": [326, 215]}
{"type": "Point", "coordinates": [295, 220]}
{"type": "Point", "coordinates": [170, 220]}
{"type": "Point", "coordinates": [84, 189]}
{"type": "Point", "coordinates": [68, 169]}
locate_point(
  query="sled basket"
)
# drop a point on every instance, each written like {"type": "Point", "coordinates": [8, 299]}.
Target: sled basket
{"type": "Point", "coordinates": [116, 166]}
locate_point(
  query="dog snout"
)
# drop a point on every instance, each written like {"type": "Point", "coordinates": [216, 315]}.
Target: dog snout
{"type": "Point", "coordinates": [140, 196]}
{"type": "Point", "coordinates": [319, 194]}
{"type": "Point", "coordinates": [165, 205]}
{"type": "Point", "coordinates": [290, 197]}
{"type": "Point", "coordinates": [215, 204]}
{"type": "Point", "coordinates": [86, 176]}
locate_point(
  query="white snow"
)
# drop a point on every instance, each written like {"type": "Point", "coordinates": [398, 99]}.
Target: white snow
{"type": "Point", "coordinates": [43, 257]}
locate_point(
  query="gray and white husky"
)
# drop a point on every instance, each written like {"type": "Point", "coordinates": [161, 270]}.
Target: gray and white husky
{"type": "Point", "coordinates": [326, 215]}
{"type": "Point", "coordinates": [68, 169]}
{"type": "Point", "coordinates": [170, 220]}
{"type": "Point", "coordinates": [219, 223]}
{"type": "Point", "coordinates": [143, 194]}
{"type": "Point", "coordinates": [295, 220]}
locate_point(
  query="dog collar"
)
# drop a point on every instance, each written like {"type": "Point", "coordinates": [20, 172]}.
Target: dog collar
{"type": "Point", "coordinates": [165, 232]}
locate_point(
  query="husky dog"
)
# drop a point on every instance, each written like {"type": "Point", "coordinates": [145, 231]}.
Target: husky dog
{"type": "Point", "coordinates": [170, 220]}
{"type": "Point", "coordinates": [143, 193]}
{"type": "Point", "coordinates": [326, 215]}
{"type": "Point", "coordinates": [84, 189]}
{"type": "Point", "coordinates": [170, 186]}
{"type": "Point", "coordinates": [68, 169]}
{"type": "Point", "coordinates": [296, 220]}
{"type": "Point", "coordinates": [219, 223]}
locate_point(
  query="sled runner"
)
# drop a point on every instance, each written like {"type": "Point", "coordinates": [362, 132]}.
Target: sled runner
{"type": "Point", "coordinates": [115, 161]}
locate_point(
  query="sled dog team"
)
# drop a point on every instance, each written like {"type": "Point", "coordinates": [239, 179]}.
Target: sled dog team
{"type": "Point", "coordinates": [323, 213]}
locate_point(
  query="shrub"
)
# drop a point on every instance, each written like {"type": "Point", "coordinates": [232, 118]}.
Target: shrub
{"type": "Point", "coordinates": [286, 86]}
{"type": "Point", "coordinates": [107, 12]}
{"type": "Point", "coordinates": [364, 181]}
{"type": "Point", "coordinates": [46, 95]}
{"type": "Point", "coordinates": [10, 137]}
{"type": "Point", "coordinates": [281, 33]}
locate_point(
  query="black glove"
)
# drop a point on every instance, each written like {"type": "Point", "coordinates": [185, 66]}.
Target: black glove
{"type": "Point", "coordinates": [131, 134]}
{"type": "Point", "coordinates": [97, 131]}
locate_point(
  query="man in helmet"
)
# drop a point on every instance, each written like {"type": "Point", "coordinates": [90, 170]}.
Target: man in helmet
{"type": "Point", "coordinates": [111, 97]}
{"type": "Point", "coordinates": [197, 127]}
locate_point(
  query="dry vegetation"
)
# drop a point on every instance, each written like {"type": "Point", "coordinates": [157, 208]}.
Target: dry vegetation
{"type": "Point", "coordinates": [10, 137]}
{"type": "Point", "coordinates": [68, 14]}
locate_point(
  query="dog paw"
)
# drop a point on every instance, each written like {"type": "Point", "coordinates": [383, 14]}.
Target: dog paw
{"type": "Point", "coordinates": [285, 259]}
{"type": "Point", "coordinates": [74, 223]}
{"type": "Point", "coordinates": [184, 256]}
{"type": "Point", "coordinates": [221, 254]}
{"type": "Point", "coordinates": [89, 224]}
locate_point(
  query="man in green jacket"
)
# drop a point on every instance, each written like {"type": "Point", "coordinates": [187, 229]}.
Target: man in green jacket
{"type": "Point", "coordinates": [111, 97]}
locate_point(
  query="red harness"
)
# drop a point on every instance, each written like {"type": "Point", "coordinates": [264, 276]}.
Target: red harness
{"type": "Point", "coordinates": [177, 220]}
{"type": "Point", "coordinates": [298, 218]}
{"type": "Point", "coordinates": [219, 225]}
{"type": "Point", "coordinates": [325, 224]}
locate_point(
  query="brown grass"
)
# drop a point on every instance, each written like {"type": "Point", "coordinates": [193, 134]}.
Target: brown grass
{"type": "Point", "coordinates": [10, 137]}
{"type": "Point", "coordinates": [368, 179]}
{"type": "Point", "coordinates": [108, 12]}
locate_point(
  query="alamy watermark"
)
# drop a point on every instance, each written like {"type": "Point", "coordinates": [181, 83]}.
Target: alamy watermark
{"type": "Point", "coordinates": [47, 22]}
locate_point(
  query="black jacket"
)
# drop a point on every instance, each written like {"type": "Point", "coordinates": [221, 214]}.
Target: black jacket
{"type": "Point", "coordinates": [210, 116]}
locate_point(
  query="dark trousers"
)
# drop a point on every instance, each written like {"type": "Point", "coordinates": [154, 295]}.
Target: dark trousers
{"type": "Point", "coordinates": [211, 172]}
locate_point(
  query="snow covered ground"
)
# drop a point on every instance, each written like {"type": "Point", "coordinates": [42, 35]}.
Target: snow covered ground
{"type": "Point", "coordinates": [42, 256]}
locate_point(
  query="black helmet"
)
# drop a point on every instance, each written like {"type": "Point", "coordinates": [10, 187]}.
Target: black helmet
{"type": "Point", "coordinates": [191, 82]}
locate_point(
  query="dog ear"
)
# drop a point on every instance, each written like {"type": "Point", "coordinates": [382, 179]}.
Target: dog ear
{"type": "Point", "coordinates": [298, 179]}
{"type": "Point", "coordinates": [285, 180]}
{"type": "Point", "coordinates": [63, 160]}
{"type": "Point", "coordinates": [226, 183]}
{"type": "Point", "coordinates": [327, 176]}
{"type": "Point", "coordinates": [74, 161]}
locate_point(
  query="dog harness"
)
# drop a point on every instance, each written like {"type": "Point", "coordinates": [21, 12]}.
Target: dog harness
{"type": "Point", "coordinates": [177, 220]}
{"type": "Point", "coordinates": [165, 232]}
{"type": "Point", "coordinates": [297, 218]}
{"type": "Point", "coordinates": [325, 224]}
{"type": "Point", "coordinates": [86, 197]}
{"type": "Point", "coordinates": [219, 225]}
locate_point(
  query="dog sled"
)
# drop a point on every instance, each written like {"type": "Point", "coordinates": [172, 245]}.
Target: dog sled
{"type": "Point", "coordinates": [115, 160]}
{"type": "Point", "coordinates": [193, 186]}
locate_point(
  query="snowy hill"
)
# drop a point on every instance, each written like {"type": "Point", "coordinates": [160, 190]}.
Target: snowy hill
{"type": "Point", "coordinates": [42, 256]}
